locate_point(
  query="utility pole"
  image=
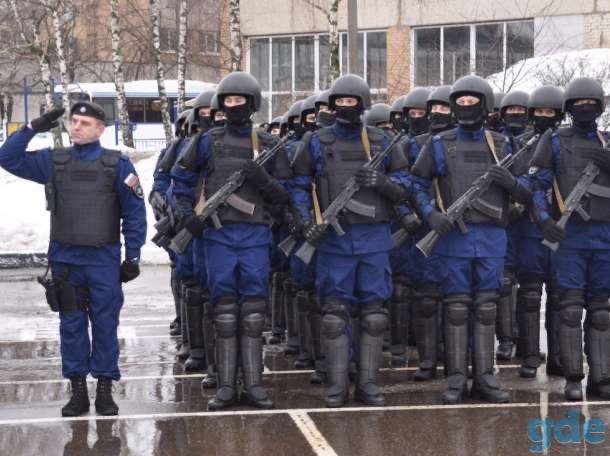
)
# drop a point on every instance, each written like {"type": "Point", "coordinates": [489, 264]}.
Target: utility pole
{"type": "Point", "coordinates": [352, 36]}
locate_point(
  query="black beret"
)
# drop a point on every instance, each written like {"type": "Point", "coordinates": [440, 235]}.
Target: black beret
{"type": "Point", "coordinates": [86, 108]}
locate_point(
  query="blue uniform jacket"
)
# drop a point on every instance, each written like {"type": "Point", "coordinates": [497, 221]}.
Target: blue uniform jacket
{"type": "Point", "coordinates": [579, 235]}
{"type": "Point", "coordinates": [184, 181]}
{"type": "Point", "coordinates": [358, 238]}
{"type": "Point", "coordinates": [482, 240]}
{"type": "Point", "coordinates": [36, 166]}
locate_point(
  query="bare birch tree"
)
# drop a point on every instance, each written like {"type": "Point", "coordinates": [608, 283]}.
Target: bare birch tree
{"type": "Point", "coordinates": [330, 9]}
{"type": "Point", "coordinates": [119, 81]}
{"type": "Point", "coordinates": [155, 23]}
{"type": "Point", "coordinates": [57, 9]}
{"type": "Point", "coordinates": [235, 28]}
{"type": "Point", "coordinates": [182, 28]}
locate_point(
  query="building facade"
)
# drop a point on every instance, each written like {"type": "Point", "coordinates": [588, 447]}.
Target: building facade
{"type": "Point", "coordinates": [406, 43]}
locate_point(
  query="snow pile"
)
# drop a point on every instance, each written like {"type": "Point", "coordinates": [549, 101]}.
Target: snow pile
{"type": "Point", "coordinates": [24, 226]}
{"type": "Point", "coordinates": [556, 69]}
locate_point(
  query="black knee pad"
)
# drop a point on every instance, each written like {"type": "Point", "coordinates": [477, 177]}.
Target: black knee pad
{"type": "Point", "coordinates": [253, 306]}
{"type": "Point", "coordinates": [332, 326]}
{"type": "Point", "coordinates": [226, 305]}
{"type": "Point", "coordinates": [374, 324]}
{"type": "Point", "coordinates": [193, 297]}
{"type": "Point", "coordinates": [226, 325]}
{"type": "Point", "coordinates": [252, 324]}
{"type": "Point", "coordinates": [599, 319]}
{"type": "Point", "coordinates": [485, 313]}
{"type": "Point", "coordinates": [571, 316]}
{"type": "Point", "coordinates": [530, 294]}
{"type": "Point", "coordinates": [424, 306]}
{"type": "Point", "coordinates": [457, 309]}
{"type": "Point", "coordinates": [336, 307]}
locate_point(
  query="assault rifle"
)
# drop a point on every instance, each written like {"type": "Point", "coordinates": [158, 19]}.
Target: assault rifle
{"type": "Point", "coordinates": [471, 199]}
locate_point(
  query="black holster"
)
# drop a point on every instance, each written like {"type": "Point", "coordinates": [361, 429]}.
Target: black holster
{"type": "Point", "coordinates": [61, 295]}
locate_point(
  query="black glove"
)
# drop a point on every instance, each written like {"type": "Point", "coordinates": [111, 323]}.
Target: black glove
{"type": "Point", "coordinates": [515, 213]}
{"type": "Point", "coordinates": [371, 178]}
{"type": "Point", "coordinates": [601, 157]}
{"type": "Point", "coordinates": [551, 231]}
{"type": "Point", "coordinates": [130, 269]}
{"type": "Point", "coordinates": [502, 177]}
{"type": "Point", "coordinates": [256, 174]}
{"type": "Point", "coordinates": [47, 121]}
{"type": "Point", "coordinates": [293, 220]}
{"type": "Point", "coordinates": [314, 233]}
{"type": "Point", "coordinates": [193, 224]}
{"type": "Point", "coordinates": [439, 222]}
{"type": "Point", "coordinates": [158, 202]}
{"type": "Point", "coordinates": [410, 222]}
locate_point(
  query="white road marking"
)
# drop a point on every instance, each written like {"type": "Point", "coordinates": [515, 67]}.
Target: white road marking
{"type": "Point", "coordinates": [396, 408]}
{"type": "Point", "coordinates": [312, 434]}
{"type": "Point", "coordinates": [162, 377]}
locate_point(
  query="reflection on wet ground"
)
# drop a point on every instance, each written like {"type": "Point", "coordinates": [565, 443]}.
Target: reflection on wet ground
{"type": "Point", "coordinates": [163, 408]}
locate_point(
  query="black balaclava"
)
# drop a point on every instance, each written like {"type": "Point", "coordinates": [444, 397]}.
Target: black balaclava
{"type": "Point", "coordinates": [205, 123]}
{"type": "Point", "coordinates": [349, 115]}
{"type": "Point", "coordinates": [440, 122]}
{"type": "Point", "coordinates": [471, 117]}
{"type": "Point", "coordinates": [494, 121]}
{"type": "Point", "coordinates": [516, 122]}
{"type": "Point", "coordinates": [418, 125]}
{"type": "Point", "coordinates": [543, 123]}
{"type": "Point", "coordinates": [584, 115]}
{"type": "Point", "coordinates": [238, 116]}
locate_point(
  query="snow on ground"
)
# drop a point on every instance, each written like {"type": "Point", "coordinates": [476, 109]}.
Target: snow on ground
{"type": "Point", "coordinates": [24, 221]}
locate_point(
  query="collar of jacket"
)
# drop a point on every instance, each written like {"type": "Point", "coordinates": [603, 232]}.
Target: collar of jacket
{"type": "Point", "coordinates": [476, 135]}
{"type": "Point", "coordinates": [87, 151]}
{"type": "Point", "coordinates": [347, 131]}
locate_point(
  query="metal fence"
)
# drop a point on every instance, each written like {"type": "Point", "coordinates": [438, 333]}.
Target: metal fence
{"type": "Point", "coordinates": [149, 144]}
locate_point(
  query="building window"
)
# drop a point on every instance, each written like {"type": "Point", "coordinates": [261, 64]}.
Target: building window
{"type": "Point", "coordinates": [208, 42]}
{"type": "Point", "coordinates": [168, 39]}
{"type": "Point", "coordinates": [444, 54]}
{"type": "Point", "coordinates": [293, 67]}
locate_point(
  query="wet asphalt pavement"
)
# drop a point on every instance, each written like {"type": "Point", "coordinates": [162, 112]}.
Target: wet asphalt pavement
{"type": "Point", "coordinates": [163, 408]}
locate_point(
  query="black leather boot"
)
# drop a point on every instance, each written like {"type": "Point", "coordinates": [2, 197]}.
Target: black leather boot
{"type": "Point", "coordinates": [104, 404]}
{"type": "Point", "coordinates": [79, 400]}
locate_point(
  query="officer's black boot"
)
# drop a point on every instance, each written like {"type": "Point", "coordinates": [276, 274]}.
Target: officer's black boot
{"type": "Point", "coordinates": [456, 347]}
{"type": "Point", "coordinates": [551, 324]}
{"type": "Point", "coordinates": [175, 329]}
{"type": "Point", "coordinates": [277, 307]}
{"type": "Point", "coordinates": [337, 352]}
{"type": "Point", "coordinates": [570, 342]}
{"type": "Point", "coordinates": [485, 385]}
{"type": "Point", "coordinates": [104, 404]}
{"type": "Point", "coordinates": [399, 321]}
{"type": "Point", "coordinates": [318, 376]}
{"type": "Point", "coordinates": [597, 341]}
{"type": "Point", "coordinates": [184, 351]}
{"type": "Point", "coordinates": [194, 309]}
{"type": "Point", "coordinates": [252, 360]}
{"type": "Point", "coordinates": [373, 323]}
{"type": "Point", "coordinates": [504, 320]}
{"type": "Point", "coordinates": [79, 400]}
{"type": "Point", "coordinates": [425, 309]}
{"type": "Point", "coordinates": [292, 336]}
{"type": "Point", "coordinates": [528, 301]}
{"type": "Point", "coordinates": [209, 342]}
{"type": "Point", "coordinates": [304, 306]}
{"type": "Point", "coordinates": [226, 354]}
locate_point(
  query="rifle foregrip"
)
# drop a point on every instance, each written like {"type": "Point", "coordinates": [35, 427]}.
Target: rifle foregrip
{"type": "Point", "coordinates": [181, 241]}
{"type": "Point", "coordinates": [551, 245]}
{"type": "Point", "coordinates": [305, 252]}
{"type": "Point", "coordinates": [427, 243]}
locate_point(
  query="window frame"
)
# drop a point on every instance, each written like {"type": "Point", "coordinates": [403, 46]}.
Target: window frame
{"type": "Point", "coordinates": [473, 44]}
{"type": "Point", "coordinates": [269, 94]}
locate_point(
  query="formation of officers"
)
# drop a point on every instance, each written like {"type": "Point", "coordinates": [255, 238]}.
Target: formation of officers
{"type": "Point", "coordinates": [335, 228]}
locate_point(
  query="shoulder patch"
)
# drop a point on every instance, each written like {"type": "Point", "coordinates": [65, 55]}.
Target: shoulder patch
{"type": "Point", "coordinates": [133, 182]}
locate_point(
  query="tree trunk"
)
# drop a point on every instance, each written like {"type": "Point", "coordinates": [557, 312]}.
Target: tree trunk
{"type": "Point", "coordinates": [117, 65]}
{"type": "Point", "coordinates": [334, 70]}
{"type": "Point", "coordinates": [56, 11]}
{"type": "Point", "coordinates": [235, 27]}
{"type": "Point", "coordinates": [183, 23]}
{"type": "Point", "coordinates": [155, 19]}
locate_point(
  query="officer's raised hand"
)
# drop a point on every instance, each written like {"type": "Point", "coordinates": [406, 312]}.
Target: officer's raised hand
{"type": "Point", "coordinates": [256, 174]}
{"type": "Point", "coordinates": [371, 178]}
{"type": "Point", "coordinates": [130, 269]}
{"type": "Point", "coordinates": [314, 233]}
{"type": "Point", "coordinates": [502, 177]}
{"type": "Point", "coordinates": [47, 121]}
{"type": "Point", "coordinates": [439, 222]}
{"type": "Point", "coordinates": [551, 231]}
{"type": "Point", "coordinates": [601, 157]}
